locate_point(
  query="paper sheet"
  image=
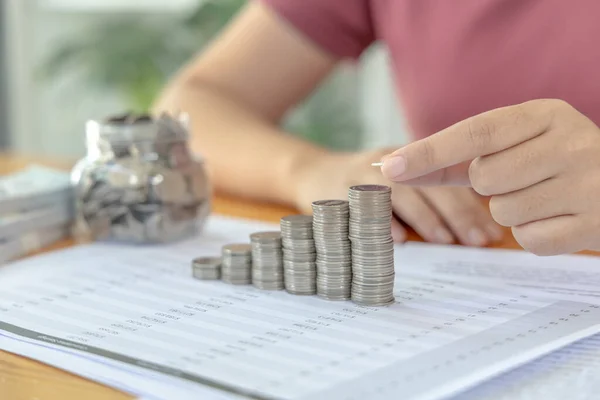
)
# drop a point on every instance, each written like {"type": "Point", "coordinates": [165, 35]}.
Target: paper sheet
{"type": "Point", "coordinates": [134, 318]}
{"type": "Point", "coordinates": [33, 187]}
{"type": "Point", "coordinates": [15, 225]}
{"type": "Point", "coordinates": [12, 248]}
{"type": "Point", "coordinates": [571, 373]}
{"type": "Point", "coordinates": [572, 277]}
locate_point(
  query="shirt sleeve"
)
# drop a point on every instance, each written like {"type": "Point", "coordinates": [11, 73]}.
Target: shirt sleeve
{"type": "Point", "coordinates": [341, 27]}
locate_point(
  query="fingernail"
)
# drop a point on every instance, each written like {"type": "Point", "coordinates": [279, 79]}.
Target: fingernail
{"type": "Point", "coordinates": [393, 166]}
{"type": "Point", "coordinates": [495, 231]}
{"type": "Point", "coordinates": [477, 237]}
{"type": "Point", "coordinates": [443, 236]}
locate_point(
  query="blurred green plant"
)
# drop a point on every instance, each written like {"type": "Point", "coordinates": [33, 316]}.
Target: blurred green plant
{"type": "Point", "coordinates": [135, 55]}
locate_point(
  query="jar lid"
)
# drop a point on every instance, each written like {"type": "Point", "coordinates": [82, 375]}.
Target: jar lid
{"type": "Point", "coordinates": [130, 128]}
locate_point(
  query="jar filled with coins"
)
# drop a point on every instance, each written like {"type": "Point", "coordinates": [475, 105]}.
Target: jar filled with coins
{"type": "Point", "coordinates": [139, 181]}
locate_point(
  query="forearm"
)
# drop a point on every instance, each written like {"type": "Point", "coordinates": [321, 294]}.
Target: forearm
{"type": "Point", "coordinates": [246, 155]}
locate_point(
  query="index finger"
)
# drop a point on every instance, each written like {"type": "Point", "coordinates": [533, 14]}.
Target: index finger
{"type": "Point", "coordinates": [437, 158]}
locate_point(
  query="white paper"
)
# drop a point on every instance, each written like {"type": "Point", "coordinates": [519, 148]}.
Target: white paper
{"type": "Point", "coordinates": [572, 277]}
{"type": "Point", "coordinates": [131, 380]}
{"type": "Point", "coordinates": [12, 248]}
{"type": "Point", "coordinates": [16, 225]}
{"type": "Point", "coordinates": [571, 373]}
{"type": "Point", "coordinates": [138, 309]}
{"type": "Point", "coordinates": [33, 187]}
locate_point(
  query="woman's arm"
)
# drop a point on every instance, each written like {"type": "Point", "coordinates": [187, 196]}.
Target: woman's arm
{"type": "Point", "coordinates": [237, 91]}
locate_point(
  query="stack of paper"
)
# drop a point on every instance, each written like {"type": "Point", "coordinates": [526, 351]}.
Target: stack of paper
{"type": "Point", "coordinates": [36, 209]}
{"type": "Point", "coordinates": [134, 318]}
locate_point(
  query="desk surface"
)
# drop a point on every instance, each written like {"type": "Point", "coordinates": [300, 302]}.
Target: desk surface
{"type": "Point", "coordinates": [22, 379]}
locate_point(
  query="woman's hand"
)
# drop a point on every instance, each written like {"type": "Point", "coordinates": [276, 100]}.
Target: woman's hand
{"type": "Point", "coordinates": [539, 161]}
{"type": "Point", "coordinates": [438, 214]}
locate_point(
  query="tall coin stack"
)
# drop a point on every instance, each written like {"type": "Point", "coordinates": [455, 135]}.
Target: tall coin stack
{"type": "Point", "coordinates": [299, 254]}
{"type": "Point", "coordinates": [372, 245]}
{"type": "Point", "coordinates": [334, 257]}
{"type": "Point", "coordinates": [236, 264]}
{"type": "Point", "coordinates": [267, 260]}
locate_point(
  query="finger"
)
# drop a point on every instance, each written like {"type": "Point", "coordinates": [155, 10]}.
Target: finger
{"type": "Point", "coordinates": [398, 232]}
{"type": "Point", "coordinates": [518, 167]}
{"type": "Point", "coordinates": [550, 198]}
{"type": "Point", "coordinates": [481, 135]}
{"type": "Point", "coordinates": [412, 208]}
{"type": "Point", "coordinates": [465, 215]}
{"type": "Point", "coordinates": [455, 175]}
{"type": "Point", "coordinates": [559, 235]}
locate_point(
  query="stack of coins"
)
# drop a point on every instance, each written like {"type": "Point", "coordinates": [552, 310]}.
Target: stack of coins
{"type": "Point", "coordinates": [334, 257]}
{"type": "Point", "coordinates": [372, 244]}
{"type": "Point", "coordinates": [299, 255]}
{"type": "Point", "coordinates": [236, 264]}
{"type": "Point", "coordinates": [267, 260]}
{"type": "Point", "coordinates": [206, 268]}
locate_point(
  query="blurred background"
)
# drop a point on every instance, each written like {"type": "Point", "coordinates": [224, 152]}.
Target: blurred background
{"type": "Point", "coordinates": [63, 62]}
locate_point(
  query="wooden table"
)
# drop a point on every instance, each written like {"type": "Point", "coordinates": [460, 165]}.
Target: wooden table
{"type": "Point", "coordinates": [23, 379]}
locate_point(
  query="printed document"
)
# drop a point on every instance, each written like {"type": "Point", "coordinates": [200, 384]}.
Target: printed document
{"type": "Point", "coordinates": [134, 318]}
{"type": "Point", "coordinates": [572, 277]}
{"type": "Point", "coordinates": [570, 373]}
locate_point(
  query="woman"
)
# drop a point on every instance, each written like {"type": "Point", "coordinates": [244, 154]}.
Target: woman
{"type": "Point", "coordinates": [451, 61]}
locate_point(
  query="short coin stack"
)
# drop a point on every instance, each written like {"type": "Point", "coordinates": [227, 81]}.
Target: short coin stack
{"type": "Point", "coordinates": [372, 245]}
{"type": "Point", "coordinates": [334, 257]}
{"type": "Point", "coordinates": [267, 260]}
{"type": "Point", "coordinates": [206, 268]}
{"type": "Point", "coordinates": [299, 254]}
{"type": "Point", "coordinates": [236, 264]}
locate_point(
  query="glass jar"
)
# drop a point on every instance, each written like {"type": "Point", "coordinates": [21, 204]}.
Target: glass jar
{"type": "Point", "coordinates": [139, 181]}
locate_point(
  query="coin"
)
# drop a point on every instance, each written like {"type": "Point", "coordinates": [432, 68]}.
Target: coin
{"type": "Point", "coordinates": [299, 254]}
{"type": "Point", "coordinates": [333, 248]}
{"type": "Point", "coordinates": [267, 260]}
{"type": "Point", "coordinates": [236, 266]}
{"type": "Point", "coordinates": [206, 268]}
{"type": "Point", "coordinates": [237, 249]}
{"type": "Point", "coordinates": [370, 218]}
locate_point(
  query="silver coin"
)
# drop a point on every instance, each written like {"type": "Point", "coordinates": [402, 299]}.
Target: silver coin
{"type": "Point", "coordinates": [237, 249]}
{"type": "Point", "coordinates": [206, 262]}
{"type": "Point", "coordinates": [266, 237]}
{"type": "Point", "coordinates": [330, 204]}
{"type": "Point", "coordinates": [333, 268]}
{"type": "Point", "coordinates": [267, 260]}
{"type": "Point", "coordinates": [233, 281]}
{"type": "Point", "coordinates": [269, 285]}
{"type": "Point", "coordinates": [207, 274]}
{"type": "Point", "coordinates": [369, 223]}
{"type": "Point", "coordinates": [299, 257]}
{"type": "Point", "coordinates": [333, 248]}
{"type": "Point", "coordinates": [299, 254]}
{"type": "Point", "coordinates": [333, 295]}
{"type": "Point", "coordinates": [206, 268]}
{"type": "Point", "coordinates": [370, 188]}
{"type": "Point", "coordinates": [296, 220]}
{"type": "Point", "coordinates": [236, 270]}
{"type": "Point", "coordinates": [299, 245]}
{"type": "Point", "coordinates": [236, 264]}
{"type": "Point", "coordinates": [286, 236]}
{"type": "Point", "coordinates": [326, 253]}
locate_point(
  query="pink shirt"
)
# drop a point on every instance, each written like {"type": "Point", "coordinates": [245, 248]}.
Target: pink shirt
{"type": "Point", "coordinates": [456, 58]}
